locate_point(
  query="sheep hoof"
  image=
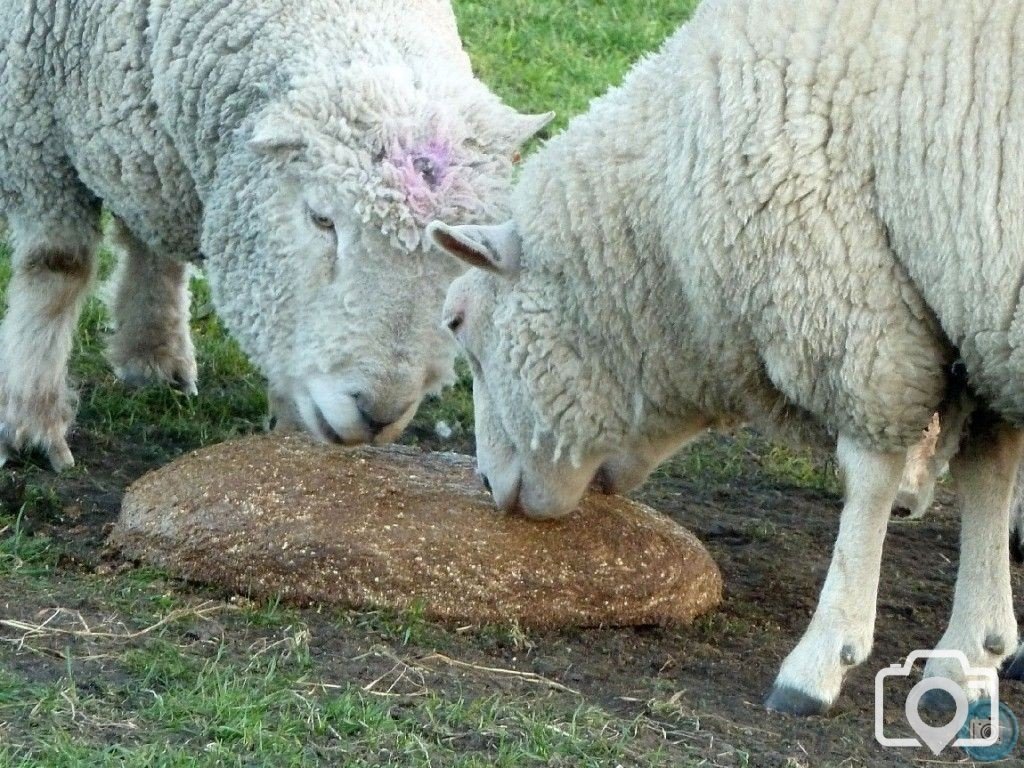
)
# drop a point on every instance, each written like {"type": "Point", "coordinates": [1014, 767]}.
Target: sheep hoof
{"type": "Point", "coordinates": [794, 702]}
{"type": "Point", "coordinates": [184, 385]}
{"type": "Point", "coordinates": [178, 373]}
{"type": "Point", "coordinates": [60, 456]}
{"type": "Point", "coordinates": [44, 433]}
{"type": "Point", "coordinates": [908, 507]}
{"type": "Point", "coordinates": [1013, 667]}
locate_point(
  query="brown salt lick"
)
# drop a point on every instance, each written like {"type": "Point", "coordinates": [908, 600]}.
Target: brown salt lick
{"type": "Point", "coordinates": [390, 527]}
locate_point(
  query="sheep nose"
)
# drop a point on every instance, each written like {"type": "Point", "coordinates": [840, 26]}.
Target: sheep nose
{"type": "Point", "coordinates": [377, 418]}
{"type": "Point", "coordinates": [374, 426]}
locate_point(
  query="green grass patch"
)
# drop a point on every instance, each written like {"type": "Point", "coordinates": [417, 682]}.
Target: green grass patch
{"type": "Point", "coordinates": [22, 554]}
{"type": "Point", "coordinates": [748, 457]}
{"type": "Point", "coordinates": [542, 56]}
{"type": "Point", "coordinates": [167, 706]}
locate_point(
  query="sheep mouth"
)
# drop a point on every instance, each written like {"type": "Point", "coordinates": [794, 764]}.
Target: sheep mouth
{"type": "Point", "coordinates": [512, 504]}
{"type": "Point", "coordinates": [603, 482]}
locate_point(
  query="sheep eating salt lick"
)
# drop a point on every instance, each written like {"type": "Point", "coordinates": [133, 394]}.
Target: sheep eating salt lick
{"type": "Point", "coordinates": [281, 516]}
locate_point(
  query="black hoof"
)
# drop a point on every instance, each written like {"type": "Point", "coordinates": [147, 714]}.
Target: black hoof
{"type": "Point", "coordinates": [794, 702]}
{"type": "Point", "coordinates": [937, 702]}
{"type": "Point", "coordinates": [1013, 667]}
{"type": "Point", "coordinates": [181, 384]}
{"type": "Point", "coordinates": [1016, 546]}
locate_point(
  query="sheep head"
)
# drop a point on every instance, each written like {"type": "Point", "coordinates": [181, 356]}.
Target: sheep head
{"type": "Point", "coordinates": [314, 238]}
{"type": "Point", "coordinates": [552, 416]}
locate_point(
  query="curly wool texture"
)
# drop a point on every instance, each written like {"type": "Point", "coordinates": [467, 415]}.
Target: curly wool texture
{"type": "Point", "coordinates": [401, 153]}
{"type": "Point", "coordinates": [150, 106]}
{"type": "Point", "coordinates": [796, 212]}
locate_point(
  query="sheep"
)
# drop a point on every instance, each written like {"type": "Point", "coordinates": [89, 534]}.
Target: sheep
{"type": "Point", "coordinates": [798, 214]}
{"type": "Point", "coordinates": [299, 146]}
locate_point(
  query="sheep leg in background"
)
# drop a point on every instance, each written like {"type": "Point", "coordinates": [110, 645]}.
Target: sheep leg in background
{"type": "Point", "coordinates": [53, 261]}
{"type": "Point", "coordinates": [1017, 520]}
{"type": "Point", "coordinates": [1013, 669]}
{"type": "Point", "coordinates": [841, 632]}
{"type": "Point", "coordinates": [982, 625]}
{"type": "Point", "coordinates": [152, 341]}
{"type": "Point", "coordinates": [927, 460]}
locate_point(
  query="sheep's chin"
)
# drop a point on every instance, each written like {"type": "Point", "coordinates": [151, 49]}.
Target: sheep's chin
{"type": "Point", "coordinates": [621, 474]}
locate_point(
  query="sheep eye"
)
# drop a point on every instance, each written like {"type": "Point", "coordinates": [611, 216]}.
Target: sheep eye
{"type": "Point", "coordinates": [455, 323]}
{"type": "Point", "coordinates": [321, 222]}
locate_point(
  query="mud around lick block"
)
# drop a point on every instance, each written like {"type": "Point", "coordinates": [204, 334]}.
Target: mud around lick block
{"type": "Point", "coordinates": [389, 527]}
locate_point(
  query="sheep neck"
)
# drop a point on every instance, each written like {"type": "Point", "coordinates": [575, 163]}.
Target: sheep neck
{"type": "Point", "coordinates": [594, 232]}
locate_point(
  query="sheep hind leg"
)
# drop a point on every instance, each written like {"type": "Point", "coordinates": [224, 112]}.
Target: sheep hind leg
{"type": "Point", "coordinates": [1013, 668]}
{"type": "Point", "coordinates": [152, 341]}
{"type": "Point", "coordinates": [1017, 521]}
{"type": "Point", "coordinates": [53, 265]}
{"type": "Point", "coordinates": [841, 631]}
{"type": "Point", "coordinates": [982, 626]}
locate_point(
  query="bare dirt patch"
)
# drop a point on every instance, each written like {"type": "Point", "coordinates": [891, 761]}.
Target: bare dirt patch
{"type": "Point", "coordinates": [700, 687]}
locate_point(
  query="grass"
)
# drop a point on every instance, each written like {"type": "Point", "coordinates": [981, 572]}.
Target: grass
{"type": "Point", "coordinates": [543, 56]}
{"type": "Point", "coordinates": [721, 460]}
{"type": "Point", "coordinates": [212, 714]}
{"type": "Point", "coordinates": [134, 682]}
{"type": "Point", "coordinates": [137, 669]}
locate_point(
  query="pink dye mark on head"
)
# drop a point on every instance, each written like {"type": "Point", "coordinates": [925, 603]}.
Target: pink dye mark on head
{"type": "Point", "coordinates": [424, 173]}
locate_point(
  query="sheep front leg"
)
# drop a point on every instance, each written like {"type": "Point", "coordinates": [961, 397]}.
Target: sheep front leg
{"type": "Point", "coordinates": [48, 286]}
{"type": "Point", "coordinates": [842, 629]}
{"type": "Point", "coordinates": [152, 341]}
{"type": "Point", "coordinates": [982, 625]}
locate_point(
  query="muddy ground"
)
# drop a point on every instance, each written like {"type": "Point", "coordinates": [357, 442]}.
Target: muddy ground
{"type": "Point", "coordinates": [701, 686]}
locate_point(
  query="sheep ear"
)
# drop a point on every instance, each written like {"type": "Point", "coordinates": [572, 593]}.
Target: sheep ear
{"type": "Point", "coordinates": [277, 133]}
{"type": "Point", "coordinates": [495, 248]}
{"type": "Point", "coordinates": [525, 127]}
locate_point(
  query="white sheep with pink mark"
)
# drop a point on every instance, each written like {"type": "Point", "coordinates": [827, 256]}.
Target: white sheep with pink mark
{"type": "Point", "coordinates": [300, 146]}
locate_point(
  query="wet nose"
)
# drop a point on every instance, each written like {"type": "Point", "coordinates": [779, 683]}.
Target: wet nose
{"type": "Point", "coordinates": [374, 426]}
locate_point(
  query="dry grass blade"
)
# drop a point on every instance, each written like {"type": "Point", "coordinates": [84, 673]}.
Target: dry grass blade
{"type": "Point", "coordinates": [529, 677]}
{"type": "Point", "coordinates": [46, 628]}
{"type": "Point", "coordinates": [401, 672]}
